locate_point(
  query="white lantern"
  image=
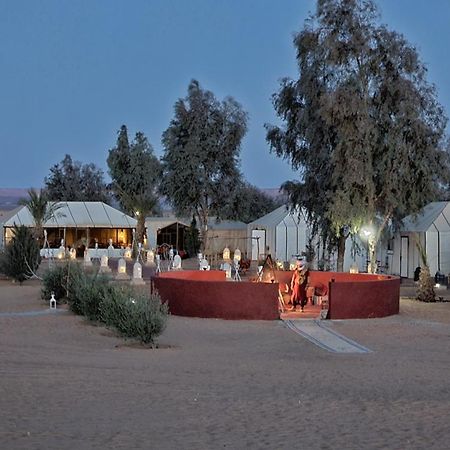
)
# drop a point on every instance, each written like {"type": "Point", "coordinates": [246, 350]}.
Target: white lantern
{"type": "Point", "coordinates": [226, 254]}
{"type": "Point", "coordinates": [122, 270]}
{"type": "Point", "coordinates": [177, 262]}
{"type": "Point", "coordinates": [237, 254]}
{"type": "Point", "coordinates": [150, 257]}
{"type": "Point", "coordinates": [104, 264]}
{"type": "Point", "coordinates": [53, 301]}
{"type": "Point", "coordinates": [137, 274]}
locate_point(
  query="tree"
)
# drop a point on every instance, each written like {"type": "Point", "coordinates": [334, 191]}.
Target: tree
{"type": "Point", "coordinates": [41, 209]}
{"type": "Point", "coordinates": [20, 258]}
{"type": "Point", "coordinates": [136, 173]}
{"type": "Point", "coordinates": [201, 154]}
{"type": "Point", "coordinates": [362, 125]}
{"type": "Point", "coordinates": [248, 203]}
{"type": "Point", "coordinates": [73, 181]}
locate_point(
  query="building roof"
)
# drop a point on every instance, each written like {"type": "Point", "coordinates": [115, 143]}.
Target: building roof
{"type": "Point", "coordinates": [280, 215]}
{"type": "Point", "coordinates": [77, 215]}
{"type": "Point", "coordinates": [433, 217]}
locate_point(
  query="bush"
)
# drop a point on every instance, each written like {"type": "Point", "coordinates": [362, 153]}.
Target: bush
{"type": "Point", "coordinates": [60, 281]}
{"type": "Point", "coordinates": [89, 294]}
{"type": "Point", "coordinates": [135, 314]}
{"type": "Point", "coordinates": [20, 258]}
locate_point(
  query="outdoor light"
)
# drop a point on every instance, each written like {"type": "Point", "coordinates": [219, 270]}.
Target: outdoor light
{"type": "Point", "coordinates": [237, 254]}
{"type": "Point", "coordinates": [226, 254]}
{"type": "Point", "coordinates": [122, 270]}
{"type": "Point", "coordinates": [53, 301]}
{"type": "Point", "coordinates": [127, 253]}
{"type": "Point", "coordinates": [122, 267]}
{"type": "Point", "coordinates": [367, 231]}
{"type": "Point", "coordinates": [137, 274]}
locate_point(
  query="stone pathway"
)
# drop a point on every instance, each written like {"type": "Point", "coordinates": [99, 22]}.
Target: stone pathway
{"type": "Point", "coordinates": [321, 335]}
{"type": "Point", "coordinates": [42, 312]}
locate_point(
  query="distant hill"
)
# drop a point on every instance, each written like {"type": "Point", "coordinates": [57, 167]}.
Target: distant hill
{"type": "Point", "coordinates": [9, 198]}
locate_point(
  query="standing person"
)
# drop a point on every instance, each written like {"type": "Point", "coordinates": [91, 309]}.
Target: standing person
{"type": "Point", "coordinates": [299, 282]}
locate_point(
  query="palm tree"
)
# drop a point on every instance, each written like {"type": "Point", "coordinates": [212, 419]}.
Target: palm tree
{"type": "Point", "coordinates": [41, 209]}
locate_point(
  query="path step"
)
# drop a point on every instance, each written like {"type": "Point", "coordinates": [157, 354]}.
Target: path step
{"type": "Point", "coordinates": [319, 334]}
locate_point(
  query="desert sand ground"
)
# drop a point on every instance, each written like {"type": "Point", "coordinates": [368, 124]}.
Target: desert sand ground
{"type": "Point", "coordinates": [65, 384]}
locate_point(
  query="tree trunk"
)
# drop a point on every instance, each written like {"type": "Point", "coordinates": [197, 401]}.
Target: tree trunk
{"type": "Point", "coordinates": [373, 266]}
{"type": "Point", "coordinates": [140, 229]}
{"type": "Point", "coordinates": [341, 252]}
{"type": "Point", "coordinates": [203, 219]}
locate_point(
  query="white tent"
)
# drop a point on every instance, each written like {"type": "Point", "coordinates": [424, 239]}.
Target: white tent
{"type": "Point", "coordinates": [281, 233]}
{"type": "Point", "coordinates": [77, 215]}
{"type": "Point", "coordinates": [430, 227]}
{"type": "Point", "coordinates": [284, 235]}
{"type": "Point", "coordinates": [80, 224]}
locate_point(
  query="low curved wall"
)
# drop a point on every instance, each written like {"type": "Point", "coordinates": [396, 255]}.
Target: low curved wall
{"type": "Point", "coordinates": [196, 293]}
{"type": "Point", "coordinates": [355, 295]}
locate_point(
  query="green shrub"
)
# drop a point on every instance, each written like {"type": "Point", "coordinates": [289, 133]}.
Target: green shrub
{"type": "Point", "coordinates": [87, 293]}
{"type": "Point", "coordinates": [135, 314]}
{"type": "Point", "coordinates": [20, 258]}
{"type": "Point", "coordinates": [60, 280]}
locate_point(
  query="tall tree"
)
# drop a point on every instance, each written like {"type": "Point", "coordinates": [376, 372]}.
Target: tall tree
{"type": "Point", "coordinates": [73, 181]}
{"type": "Point", "coordinates": [248, 203]}
{"type": "Point", "coordinates": [41, 209]}
{"type": "Point", "coordinates": [136, 173]}
{"type": "Point", "coordinates": [362, 125]}
{"type": "Point", "coordinates": [201, 154]}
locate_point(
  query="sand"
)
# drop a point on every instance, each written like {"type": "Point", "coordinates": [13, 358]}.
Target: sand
{"type": "Point", "coordinates": [66, 384]}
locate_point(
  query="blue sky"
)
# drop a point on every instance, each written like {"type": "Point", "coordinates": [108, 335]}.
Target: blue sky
{"type": "Point", "coordinates": [73, 71]}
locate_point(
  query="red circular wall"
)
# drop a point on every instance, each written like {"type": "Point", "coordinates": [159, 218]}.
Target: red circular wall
{"type": "Point", "coordinates": [196, 293]}
{"type": "Point", "coordinates": [207, 294]}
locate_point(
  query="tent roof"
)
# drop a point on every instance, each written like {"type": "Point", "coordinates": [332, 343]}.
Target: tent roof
{"type": "Point", "coordinates": [78, 215]}
{"type": "Point", "coordinates": [277, 216]}
{"type": "Point", "coordinates": [163, 222]}
{"type": "Point", "coordinates": [213, 224]}
{"type": "Point", "coordinates": [433, 217]}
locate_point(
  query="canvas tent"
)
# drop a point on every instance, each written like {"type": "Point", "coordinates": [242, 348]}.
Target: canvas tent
{"type": "Point", "coordinates": [81, 225]}
{"type": "Point", "coordinates": [282, 233]}
{"type": "Point", "coordinates": [166, 230]}
{"type": "Point", "coordinates": [430, 227]}
{"type": "Point", "coordinates": [226, 233]}
{"type": "Point", "coordinates": [172, 231]}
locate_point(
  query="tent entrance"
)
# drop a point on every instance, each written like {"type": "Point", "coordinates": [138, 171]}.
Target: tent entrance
{"type": "Point", "coordinates": [258, 244]}
{"type": "Point", "coordinates": [173, 235]}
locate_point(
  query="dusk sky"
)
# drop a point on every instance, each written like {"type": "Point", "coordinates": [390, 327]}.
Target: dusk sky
{"type": "Point", "coordinates": [73, 71]}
